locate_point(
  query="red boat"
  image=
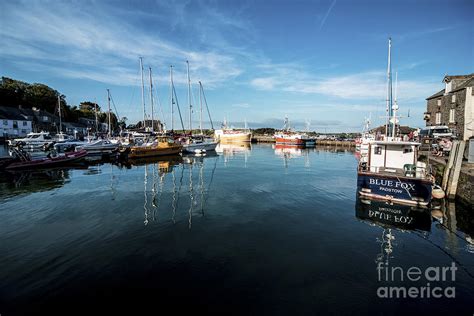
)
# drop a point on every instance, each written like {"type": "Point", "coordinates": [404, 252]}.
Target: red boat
{"type": "Point", "coordinates": [49, 162]}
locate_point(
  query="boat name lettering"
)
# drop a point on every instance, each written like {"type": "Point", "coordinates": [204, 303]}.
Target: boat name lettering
{"type": "Point", "coordinates": [391, 183]}
{"type": "Point", "coordinates": [390, 217]}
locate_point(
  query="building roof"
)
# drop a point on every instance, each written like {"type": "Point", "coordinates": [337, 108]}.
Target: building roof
{"type": "Point", "coordinates": [464, 85]}
{"type": "Point", "coordinates": [448, 78]}
{"type": "Point", "coordinates": [404, 130]}
{"type": "Point", "coordinates": [9, 113]}
{"type": "Point", "coordinates": [437, 94]}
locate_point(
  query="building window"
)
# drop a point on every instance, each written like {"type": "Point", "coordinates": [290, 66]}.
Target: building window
{"type": "Point", "coordinates": [438, 118]}
{"type": "Point", "coordinates": [15, 124]}
{"type": "Point", "coordinates": [23, 131]}
{"type": "Point", "coordinates": [45, 118]}
{"type": "Point", "coordinates": [25, 123]}
{"type": "Point", "coordinates": [452, 113]}
{"type": "Point", "coordinates": [439, 102]}
{"type": "Point", "coordinates": [5, 122]}
{"type": "Point", "coordinates": [378, 150]}
{"type": "Point", "coordinates": [453, 98]}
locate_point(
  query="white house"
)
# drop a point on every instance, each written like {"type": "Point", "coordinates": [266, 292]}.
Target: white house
{"type": "Point", "coordinates": [13, 123]}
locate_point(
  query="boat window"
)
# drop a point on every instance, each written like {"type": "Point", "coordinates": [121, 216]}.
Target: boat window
{"type": "Point", "coordinates": [35, 136]}
{"type": "Point", "coordinates": [47, 137]}
{"type": "Point", "coordinates": [378, 150]}
{"type": "Point", "coordinates": [407, 150]}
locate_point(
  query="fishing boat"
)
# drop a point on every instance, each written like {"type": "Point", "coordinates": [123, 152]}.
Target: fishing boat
{"type": "Point", "coordinates": [362, 142]}
{"type": "Point", "coordinates": [161, 147]}
{"type": "Point", "coordinates": [48, 162]}
{"type": "Point", "coordinates": [198, 143]}
{"type": "Point", "coordinates": [289, 137]}
{"type": "Point", "coordinates": [231, 135]}
{"type": "Point", "coordinates": [391, 170]}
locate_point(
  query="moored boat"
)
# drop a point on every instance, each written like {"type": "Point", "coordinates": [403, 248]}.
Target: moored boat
{"type": "Point", "coordinates": [391, 171]}
{"type": "Point", "coordinates": [48, 162]}
{"type": "Point", "coordinates": [289, 137]}
{"type": "Point", "coordinates": [161, 147]}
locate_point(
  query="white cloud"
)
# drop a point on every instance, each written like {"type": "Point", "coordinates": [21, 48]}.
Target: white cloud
{"type": "Point", "coordinates": [88, 43]}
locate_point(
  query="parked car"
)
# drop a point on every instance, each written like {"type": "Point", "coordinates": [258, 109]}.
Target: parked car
{"type": "Point", "coordinates": [436, 132]}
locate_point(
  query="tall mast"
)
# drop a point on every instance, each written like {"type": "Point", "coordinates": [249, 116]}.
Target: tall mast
{"type": "Point", "coordinates": [389, 89]}
{"type": "Point", "coordinates": [95, 113]}
{"type": "Point", "coordinates": [171, 97]}
{"type": "Point", "coordinates": [205, 101]}
{"type": "Point", "coordinates": [189, 100]}
{"type": "Point", "coordinates": [59, 109]}
{"type": "Point", "coordinates": [200, 110]}
{"type": "Point", "coordinates": [395, 106]}
{"type": "Point", "coordinates": [108, 103]}
{"type": "Point", "coordinates": [143, 93]}
{"type": "Point", "coordinates": [151, 98]}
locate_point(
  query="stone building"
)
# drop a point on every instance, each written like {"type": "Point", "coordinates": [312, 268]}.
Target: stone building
{"type": "Point", "coordinates": [453, 106]}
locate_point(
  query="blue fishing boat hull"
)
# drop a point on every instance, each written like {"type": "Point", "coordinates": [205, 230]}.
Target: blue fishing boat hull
{"type": "Point", "coordinates": [403, 190]}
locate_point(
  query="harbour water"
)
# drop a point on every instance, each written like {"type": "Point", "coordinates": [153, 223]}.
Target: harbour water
{"type": "Point", "coordinates": [250, 230]}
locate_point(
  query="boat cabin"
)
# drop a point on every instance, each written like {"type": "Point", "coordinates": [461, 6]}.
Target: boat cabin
{"type": "Point", "coordinates": [394, 157]}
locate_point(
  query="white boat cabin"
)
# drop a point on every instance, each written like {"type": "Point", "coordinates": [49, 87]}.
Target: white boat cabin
{"type": "Point", "coordinates": [395, 157]}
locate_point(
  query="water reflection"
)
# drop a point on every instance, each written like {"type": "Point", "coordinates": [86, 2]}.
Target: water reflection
{"type": "Point", "coordinates": [233, 150]}
{"type": "Point", "coordinates": [15, 183]}
{"type": "Point", "coordinates": [186, 177]}
{"type": "Point", "coordinates": [392, 215]}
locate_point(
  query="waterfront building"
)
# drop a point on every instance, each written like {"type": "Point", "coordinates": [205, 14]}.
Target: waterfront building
{"type": "Point", "coordinates": [14, 123]}
{"type": "Point", "coordinates": [453, 106]}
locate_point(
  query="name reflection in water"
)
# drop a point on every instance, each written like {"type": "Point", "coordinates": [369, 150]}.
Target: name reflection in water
{"type": "Point", "coordinates": [182, 173]}
{"type": "Point", "coordinates": [392, 218]}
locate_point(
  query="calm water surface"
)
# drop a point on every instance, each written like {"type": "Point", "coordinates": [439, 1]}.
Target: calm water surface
{"type": "Point", "coordinates": [251, 230]}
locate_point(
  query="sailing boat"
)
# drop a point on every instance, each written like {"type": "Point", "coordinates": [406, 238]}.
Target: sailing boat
{"type": "Point", "coordinates": [392, 171]}
{"type": "Point", "coordinates": [161, 146]}
{"type": "Point", "coordinates": [198, 143]}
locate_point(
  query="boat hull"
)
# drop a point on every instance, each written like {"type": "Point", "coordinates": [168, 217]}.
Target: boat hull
{"type": "Point", "coordinates": [67, 159]}
{"type": "Point", "coordinates": [192, 148]}
{"type": "Point", "coordinates": [393, 188]}
{"type": "Point", "coordinates": [289, 141]}
{"type": "Point", "coordinates": [235, 138]}
{"type": "Point", "coordinates": [137, 152]}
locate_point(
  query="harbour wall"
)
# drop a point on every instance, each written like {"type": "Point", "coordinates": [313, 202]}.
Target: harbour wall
{"type": "Point", "coordinates": [464, 190]}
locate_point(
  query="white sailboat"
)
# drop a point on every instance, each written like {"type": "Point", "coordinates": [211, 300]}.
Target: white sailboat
{"type": "Point", "coordinates": [196, 143]}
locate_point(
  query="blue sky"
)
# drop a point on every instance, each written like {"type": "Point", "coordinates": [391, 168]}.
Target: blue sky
{"type": "Point", "coordinates": [322, 62]}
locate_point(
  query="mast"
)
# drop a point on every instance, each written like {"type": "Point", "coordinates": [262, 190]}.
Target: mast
{"type": "Point", "coordinates": [95, 113]}
{"type": "Point", "coordinates": [143, 93]}
{"type": "Point", "coordinates": [60, 121]}
{"type": "Point", "coordinates": [151, 98]}
{"type": "Point", "coordinates": [189, 100]}
{"type": "Point", "coordinates": [205, 101]}
{"type": "Point", "coordinates": [389, 89]}
{"type": "Point", "coordinates": [171, 97]}
{"type": "Point", "coordinates": [395, 106]}
{"type": "Point", "coordinates": [200, 110]}
{"type": "Point", "coordinates": [108, 103]}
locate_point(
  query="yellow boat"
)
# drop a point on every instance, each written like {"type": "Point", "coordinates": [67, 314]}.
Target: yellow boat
{"type": "Point", "coordinates": [161, 147]}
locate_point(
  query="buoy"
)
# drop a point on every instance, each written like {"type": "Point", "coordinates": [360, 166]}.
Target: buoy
{"type": "Point", "coordinates": [437, 193]}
